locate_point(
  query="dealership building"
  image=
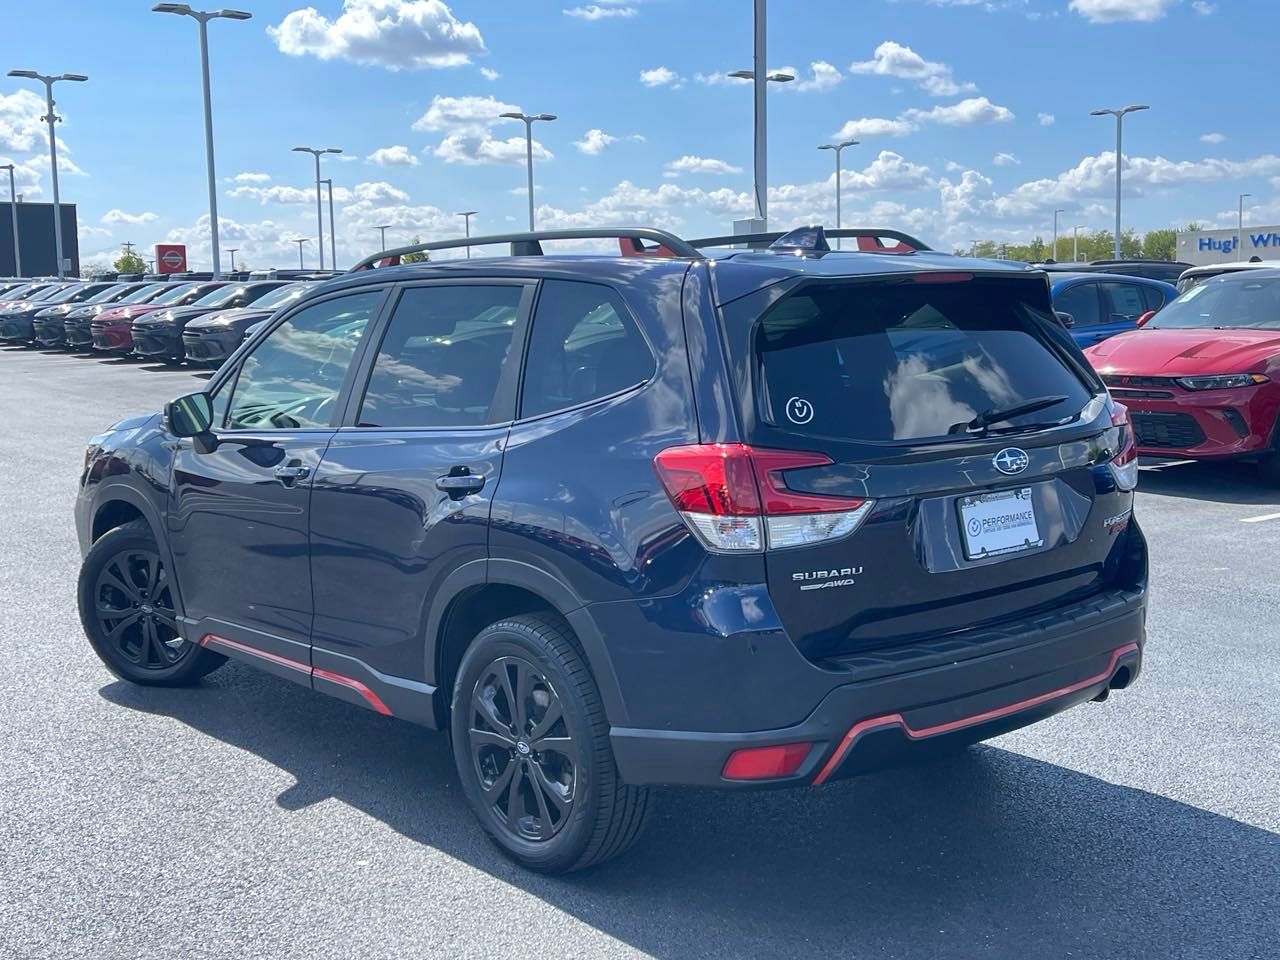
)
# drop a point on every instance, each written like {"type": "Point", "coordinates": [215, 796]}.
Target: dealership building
{"type": "Point", "coordinates": [1203, 247]}
{"type": "Point", "coordinates": [35, 233]}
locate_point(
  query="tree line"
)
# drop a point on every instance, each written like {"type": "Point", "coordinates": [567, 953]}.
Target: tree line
{"type": "Point", "coordinates": [1097, 245]}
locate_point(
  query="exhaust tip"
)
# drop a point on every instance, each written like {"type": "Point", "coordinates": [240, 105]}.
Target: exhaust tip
{"type": "Point", "coordinates": [1120, 679]}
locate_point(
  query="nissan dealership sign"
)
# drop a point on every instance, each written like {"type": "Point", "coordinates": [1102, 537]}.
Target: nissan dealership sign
{"type": "Point", "coordinates": [171, 258]}
{"type": "Point", "coordinates": [1203, 247]}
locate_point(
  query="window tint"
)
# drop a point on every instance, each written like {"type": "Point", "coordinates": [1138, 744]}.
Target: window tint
{"type": "Point", "coordinates": [1153, 297]}
{"type": "Point", "coordinates": [903, 361]}
{"type": "Point", "coordinates": [293, 377]}
{"type": "Point", "coordinates": [584, 345]}
{"type": "Point", "coordinates": [1123, 301]}
{"type": "Point", "coordinates": [442, 357]}
{"type": "Point", "coordinates": [1081, 301]}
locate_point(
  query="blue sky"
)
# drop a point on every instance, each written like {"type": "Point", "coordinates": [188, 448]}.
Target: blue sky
{"type": "Point", "coordinates": [973, 115]}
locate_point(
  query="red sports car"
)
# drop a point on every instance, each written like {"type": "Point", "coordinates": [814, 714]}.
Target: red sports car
{"type": "Point", "coordinates": [1201, 378]}
{"type": "Point", "coordinates": [113, 329]}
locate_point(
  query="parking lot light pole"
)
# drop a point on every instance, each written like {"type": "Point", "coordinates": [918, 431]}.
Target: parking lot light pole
{"type": "Point", "coordinates": [51, 118]}
{"type": "Point", "coordinates": [382, 230]}
{"type": "Point", "coordinates": [1075, 242]}
{"type": "Point", "coordinates": [203, 17]}
{"type": "Point", "coordinates": [317, 152]}
{"type": "Point", "coordinates": [13, 210]}
{"type": "Point", "coordinates": [837, 147]}
{"type": "Point", "coordinates": [1054, 255]}
{"type": "Point", "coordinates": [232, 251]}
{"type": "Point", "coordinates": [1119, 115]}
{"type": "Point", "coordinates": [1240, 228]}
{"type": "Point", "coordinates": [466, 216]}
{"type": "Point", "coordinates": [300, 241]}
{"type": "Point", "coordinates": [333, 231]}
{"type": "Point", "coordinates": [528, 147]}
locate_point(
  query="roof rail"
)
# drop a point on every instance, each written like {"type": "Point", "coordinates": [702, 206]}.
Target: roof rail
{"type": "Point", "coordinates": [870, 233]}
{"type": "Point", "coordinates": [530, 244]}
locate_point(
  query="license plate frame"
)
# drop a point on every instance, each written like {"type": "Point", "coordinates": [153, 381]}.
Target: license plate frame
{"type": "Point", "coordinates": [999, 523]}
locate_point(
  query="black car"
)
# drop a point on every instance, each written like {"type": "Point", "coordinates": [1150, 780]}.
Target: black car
{"type": "Point", "coordinates": [738, 518]}
{"type": "Point", "coordinates": [214, 337]}
{"type": "Point", "coordinates": [17, 323]}
{"type": "Point", "coordinates": [1166, 270]}
{"type": "Point", "coordinates": [77, 328]}
{"type": "Point", "coordinates": [159, 334]}
{"type": "Point", "coordinates": [49, 325]}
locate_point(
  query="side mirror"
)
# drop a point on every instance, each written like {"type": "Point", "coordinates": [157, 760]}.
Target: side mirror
{"type": "Point", "coordinates": [1146, 318]}
{"type": "Point", "coordinates": [1066, 319]}
{"type": "Point", "coordinates": [192, 416]}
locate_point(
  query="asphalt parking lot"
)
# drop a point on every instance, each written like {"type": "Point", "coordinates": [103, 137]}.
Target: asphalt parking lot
{"type": "Point", "coordinates": [248, 817]}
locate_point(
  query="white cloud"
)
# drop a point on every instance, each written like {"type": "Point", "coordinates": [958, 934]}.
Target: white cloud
{"type": "Point", "coordinates": [1214, 138]}
{"type": "Point", "coordinates": [692, 164]}
{"type": "Point", "coordinates": [468, 124]}
{"type": "Point", "coordinates": [277, 194]}
{"type": "Point", "coordinates": [659, 77]}
{"type": "Point", "coordinates": [1005, 160]}
{"type": "Point", "coordinates": [396, 34]}
{"type": "Point", "coordinates": [595, 141]}
{"type": "Point", "coordinates": [892, 59]}
{"type": "Point", "coordinates": [376, 191]}
{"type": "Point", "coordinates": [823, 77]}
{"type": "Point", "coordinates": [973, 112]}
{"type": "Point", "coordinates": [250, 177]}
{"type": "Point", "coordinates": [874, 127]}
{"type": "Point", "coordinates": [20, 127]}
{"type": "Point", "coordinates": [394, 156]}
{"type": "Point", "coordinates": [596, 12]}
{"type": "Point", "coordinates": [1046, 119]}
{"type": "Point", "coordinates": [1115, 11]}
{"type": "Point", "coordinates": [116, 215]}
{"type": "Point", "coordinates": [1203, 7]}
{"type": "Point", "coordinates": [26, 175]}
{"type": "Point", "coordinates": [489, 73]}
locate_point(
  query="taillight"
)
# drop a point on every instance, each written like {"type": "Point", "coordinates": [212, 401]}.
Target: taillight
{"type": "Point", "coordinates": [734, 497]}
{"type": "Point", "coordinates": [1124, 465]}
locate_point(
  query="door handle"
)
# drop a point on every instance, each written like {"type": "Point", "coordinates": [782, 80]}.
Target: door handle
{"type": "Point", "coordinates": [460, 482]}
{"type": "Point", "coordinates": [291, 472]}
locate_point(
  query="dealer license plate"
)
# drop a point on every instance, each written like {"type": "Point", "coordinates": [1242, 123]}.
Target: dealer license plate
{"type": "Point", "coordinates": [998, 523]}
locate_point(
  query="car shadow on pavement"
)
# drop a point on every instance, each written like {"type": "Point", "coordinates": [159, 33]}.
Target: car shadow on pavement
{"type": "Point", "coordinates": [990, 853]}
{"type": "Point", "coordinates": [1227, 482]}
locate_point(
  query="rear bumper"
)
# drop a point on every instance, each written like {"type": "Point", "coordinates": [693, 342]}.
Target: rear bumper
{"type": "Point", "coordinates": [880, 718]}
{"type": "Point", "coordinates": [1210, 423]}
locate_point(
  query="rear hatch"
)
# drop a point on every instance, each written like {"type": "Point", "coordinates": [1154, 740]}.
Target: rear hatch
{"type": "Point", "coordinates": [947, 455]}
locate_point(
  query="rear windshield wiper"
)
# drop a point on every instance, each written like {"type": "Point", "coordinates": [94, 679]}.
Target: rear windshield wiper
{"type": "Point", "coordinates": [999, 414]}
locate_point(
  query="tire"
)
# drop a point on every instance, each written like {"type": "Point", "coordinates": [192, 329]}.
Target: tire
{"type": "Point", "coordinates": [1269, 469]}
{"type": "Point", "coordinates": [494, 751]}
{"type": "Point", "coordinates": [123, 572]}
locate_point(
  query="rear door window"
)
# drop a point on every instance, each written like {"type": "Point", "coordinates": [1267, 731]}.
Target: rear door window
{"type": "Point", "coordinates": [899, 361]}
{"type": "Point", "coordinates": [442, 358]}
{"type": "Point", "coordinates": [1081, 301]}
{"type": "Point", "coordinates": [584, 346]}
{"type": "Point", "coordinates": [1123, 301]}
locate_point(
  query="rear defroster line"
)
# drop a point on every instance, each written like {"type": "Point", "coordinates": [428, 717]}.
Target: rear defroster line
{"type": "Point", "coordinates": [896, 719]}
{"type": "Point", "coordinates": [371, 698]}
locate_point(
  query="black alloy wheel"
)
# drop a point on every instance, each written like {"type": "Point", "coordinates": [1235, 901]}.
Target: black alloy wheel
{"type": "Point", "coordinates": [129, 608]}
{"type": "Point", "coordinates": [532, 749]}
{"type": "Point", "coordinates": [526, 761]}
{"type": "Point", "coordinates": [134, 605]}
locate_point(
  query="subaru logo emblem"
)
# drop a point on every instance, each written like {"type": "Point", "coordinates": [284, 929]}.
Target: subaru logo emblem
{"type": "Point", "coordinates": [1011, 460]}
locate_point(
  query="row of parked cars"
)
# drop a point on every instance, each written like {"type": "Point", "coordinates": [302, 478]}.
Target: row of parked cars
{"type": "Point", "coordinates": [169, 319]}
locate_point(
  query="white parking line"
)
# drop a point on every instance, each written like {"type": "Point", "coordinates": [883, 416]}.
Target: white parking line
{"type": "Point", "coordinates": [1265, 516]}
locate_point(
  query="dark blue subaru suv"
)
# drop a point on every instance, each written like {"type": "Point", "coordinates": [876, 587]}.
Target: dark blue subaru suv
{"type": "Point", "coordinates": [728, 518]}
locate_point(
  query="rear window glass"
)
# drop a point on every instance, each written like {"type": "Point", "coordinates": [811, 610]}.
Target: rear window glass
{"type": "Point", "coordinates": [898, 361]}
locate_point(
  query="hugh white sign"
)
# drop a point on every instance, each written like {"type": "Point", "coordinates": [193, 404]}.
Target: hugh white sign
{"type": "Point", "coordinates": [1203, 247]}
